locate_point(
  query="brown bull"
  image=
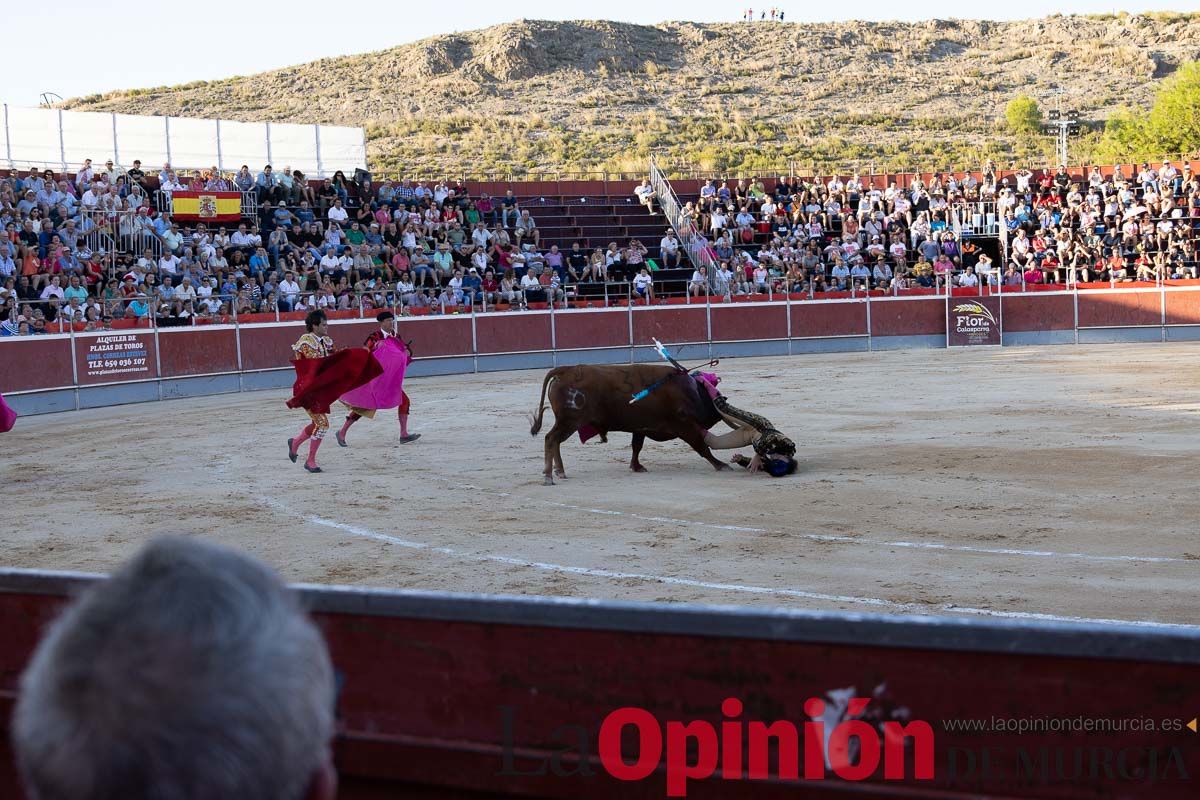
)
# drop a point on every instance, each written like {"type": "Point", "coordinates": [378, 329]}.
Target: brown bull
{"type": "Point", "coordinates": [598, 397]}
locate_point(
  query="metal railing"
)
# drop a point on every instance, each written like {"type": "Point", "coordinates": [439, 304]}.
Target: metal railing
{"type": "Point", "coordinates": [690, 238]}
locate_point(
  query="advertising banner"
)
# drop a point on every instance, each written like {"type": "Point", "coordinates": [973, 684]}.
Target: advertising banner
{"type": "Point", "coordinates": [115, 357]}
{"type": "Point", "coordinates": [973, 321]}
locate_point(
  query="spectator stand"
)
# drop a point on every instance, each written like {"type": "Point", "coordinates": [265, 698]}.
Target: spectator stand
{"type": "Point", "coordinates": [108, 242]}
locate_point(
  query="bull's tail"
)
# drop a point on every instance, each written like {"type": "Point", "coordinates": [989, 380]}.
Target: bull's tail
{"type": "Point", "coordinates": [536, 417]}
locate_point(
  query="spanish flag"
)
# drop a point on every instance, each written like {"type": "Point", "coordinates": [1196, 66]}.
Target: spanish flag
{"type": "Point", "coordinates": [206, 206]}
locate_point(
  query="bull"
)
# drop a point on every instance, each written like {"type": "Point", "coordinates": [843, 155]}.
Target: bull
{"type": "Point", "coordinates": [595, 399]}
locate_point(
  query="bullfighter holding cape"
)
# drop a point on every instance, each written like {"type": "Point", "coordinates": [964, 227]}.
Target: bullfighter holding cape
{"type": "Point", "coordinates": [387, 390]}
{"type": "Point", "coordinates": [323, 374]}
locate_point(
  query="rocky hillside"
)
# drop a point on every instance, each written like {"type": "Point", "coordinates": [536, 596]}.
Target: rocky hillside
{"type": "Point", "coordinates": [545, 96]}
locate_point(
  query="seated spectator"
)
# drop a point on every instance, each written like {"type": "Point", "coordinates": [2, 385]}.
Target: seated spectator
{"type": "Point", "coordinates": [234, 695]}
{"type": "Point", "coordinates": [646, 195]}
{"type": "Point", "coordinates": [531, 288]}
{"type": "Point", "coordinates": [643, 285]}
{"type": "Point", "coordinates": [527, 229]}
{"type": "Point", "coordinates": [698, 285]}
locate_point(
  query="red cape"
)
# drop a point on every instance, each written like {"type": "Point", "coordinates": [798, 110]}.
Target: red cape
{"type": "Point", "coordinates": [321, 381]}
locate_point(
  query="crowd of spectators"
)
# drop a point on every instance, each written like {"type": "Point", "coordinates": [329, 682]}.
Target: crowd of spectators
{"type": "Point", "coordinates": [338, 246]}
{"type": "Point", "coordinates": [352, 244]}
{"type": "Point", "coordinates": [818, 236]}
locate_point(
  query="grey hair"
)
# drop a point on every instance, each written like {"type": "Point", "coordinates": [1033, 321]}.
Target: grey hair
{"type": "Point", "coordinates": [191, 673]}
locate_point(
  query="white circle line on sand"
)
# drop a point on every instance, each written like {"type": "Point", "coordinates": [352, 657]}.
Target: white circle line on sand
{"type": "Point", "coordinates": [876, 602]}
{"type": "Point", "coordinates": [823, 537]}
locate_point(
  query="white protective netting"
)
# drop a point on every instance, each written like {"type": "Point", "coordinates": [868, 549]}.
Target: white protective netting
{"type": "Point", "coordinates": [38, 137]}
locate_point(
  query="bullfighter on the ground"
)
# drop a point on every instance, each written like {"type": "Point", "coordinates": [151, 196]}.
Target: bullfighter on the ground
{"type": "Point", "coordinates": [773, 452]}
{"type": "Point", "coordinates": [386, 391]}
{"type": "Point", "coordinates": [323, 374]}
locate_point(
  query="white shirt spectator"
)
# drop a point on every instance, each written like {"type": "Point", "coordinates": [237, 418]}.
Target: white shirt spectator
{"type": "Point", "coordinates": [288, 289]}
{"type": "Point", "coordinates": [169, 264]}
{"type": "Point", "coordinates": [338, 214]}
{"type": "Point", "coordinates": [185, 292]}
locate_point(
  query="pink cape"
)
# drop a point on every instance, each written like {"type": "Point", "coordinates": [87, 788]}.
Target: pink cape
{"type": "Point", "coordinates": [7, 416]}
{"type": "Point", "coordinates": [386, 390]}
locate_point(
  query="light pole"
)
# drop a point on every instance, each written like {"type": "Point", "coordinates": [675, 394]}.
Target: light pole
{"type": "Point", "coordinates": [1061, 124]}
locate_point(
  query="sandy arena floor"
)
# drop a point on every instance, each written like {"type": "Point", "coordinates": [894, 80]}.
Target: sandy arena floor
{"type": "Point", "coordinates": [1056, 481]}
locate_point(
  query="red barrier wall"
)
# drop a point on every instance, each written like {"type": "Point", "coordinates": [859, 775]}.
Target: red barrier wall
{"type": "Point", "coordinates": [45, 362]}
{"type": "Point", "coordinates": [584, 329]}
{"type": "Point", "coordinates": [436, 688]}
{"type": "Point", "coordinates": [734, 323]}
{"type": "Point", "coordinates": [1100, 308]}
{"type": "Point", "coordinates": [1035, 312]}
{"type": "Point", "coordinates": [35, 363]}
{"type": "Point", "coordinates": [1183, 308]}
{"type": "Point", "coordinates": [679, 325]}
{"type": "Point", "coordinates": [197, 351]}
{"type": "Point", "coordinates": [908, 317]}
{"type": "Point", "coordinates": [512, 333]}
{"type": "Point", "coordinates": [846, 318]}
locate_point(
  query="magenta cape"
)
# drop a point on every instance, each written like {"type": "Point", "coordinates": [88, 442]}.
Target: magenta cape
{"type": "Point", "coordinates": [320, 381]}
{"type": "Point", "coordinates": [7, 416]}
{"type": "Point", "coordinates": [387, 390]}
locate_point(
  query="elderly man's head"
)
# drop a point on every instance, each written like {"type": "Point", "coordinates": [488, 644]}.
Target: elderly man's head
{"type": "Point", "coordinates": [191, 672]}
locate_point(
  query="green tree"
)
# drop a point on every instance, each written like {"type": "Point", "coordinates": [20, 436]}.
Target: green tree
{"type": "Point", "coordinates": [1023, 114]}
{"type": "Point", "coordinates": [1125, 136]}
{"type": "Point", "coordinates": [1174, 122]}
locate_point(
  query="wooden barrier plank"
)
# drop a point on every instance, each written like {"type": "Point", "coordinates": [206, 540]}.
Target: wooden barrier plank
{"type": "Point", "coordinates": [1125, 308]}
{"type": "Point", "coordinates": [922, 317]}
{"type": "Point", "coordinates": [846, 318]}
{"type": "Point", "coordinates": [1183, 308]}
{"type": "Point", "coordinates": [35, 362]}
{"type": "Point", "coordinates": [579, 330]}
{"type": "Point", "coordinates": [513, 332]}
{"type": "Point", "coordinates": [672, 325]}
{"type": "Point", "coordinates": [269, 346]}
{"type": "Point", "coordinates": [1037, 312]}
{"type": "Point", "coordinates": [731, 323]}
{"type": "Point", "coordinates": [436, 336]}
{"type": "Point", "coordinates": [197, 351]}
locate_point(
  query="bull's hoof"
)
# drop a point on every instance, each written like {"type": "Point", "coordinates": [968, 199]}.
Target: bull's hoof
{"type": "Point", "coordinates": [718, 466]}
{"type": "Point", "coordinates": [561, 475]}
{"type": "Point", "coordinates": [547, 481]}
{"type": "Point", "coordinates": [637, 468]}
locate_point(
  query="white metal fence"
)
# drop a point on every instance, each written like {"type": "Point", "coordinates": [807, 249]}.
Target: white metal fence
{"type": "Point", "coordinates": [61, 140]}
